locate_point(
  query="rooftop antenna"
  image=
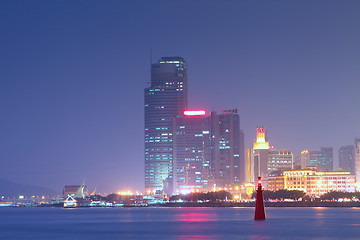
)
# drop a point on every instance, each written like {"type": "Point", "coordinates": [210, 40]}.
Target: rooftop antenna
{"type": "Point", "coordinates": [150, 58]}
{"type": "Point", "coordinates": [149, 82]}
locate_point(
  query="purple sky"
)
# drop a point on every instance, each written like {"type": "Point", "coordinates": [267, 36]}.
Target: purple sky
{"type": "Point", "coordinates": [73, 72]}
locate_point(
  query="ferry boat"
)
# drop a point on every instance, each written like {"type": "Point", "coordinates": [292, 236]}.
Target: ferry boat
{"type": "Point", "coordinates": [70, 202]}
{"type": "Point", "coordinates": [6, 204]}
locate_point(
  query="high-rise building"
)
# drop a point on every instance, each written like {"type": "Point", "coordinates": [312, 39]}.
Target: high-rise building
{"type": "Point", "coordinates": [191, 155]}
{"type": "Point", "coordinates": [304, 159]}
{"type": "Point", "coordinates": [357, 161]}
{"type": "Point", "coordinates": [165, 98]}
{"type": "Point", "coordinates": [323, 159]}
{"type": "Point", "coordinates": [280, 160]}
{"type": "Point", "coordinates": [242, 157]}
{"type": "Point", "coordinates": [259, 155]}
{"type": "Point", "coordinates": [346, 158]}
{"type": "Point", "coordinates": [227, 148]}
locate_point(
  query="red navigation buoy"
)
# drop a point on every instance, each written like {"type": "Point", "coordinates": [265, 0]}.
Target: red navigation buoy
{"type": "Point", "coordinates": [259, 207]}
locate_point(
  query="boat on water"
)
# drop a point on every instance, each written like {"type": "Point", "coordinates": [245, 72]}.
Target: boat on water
{"type": "Point", "coordinates": [6, 204]}
{"type": "Point", "coordinates": [70, 202]}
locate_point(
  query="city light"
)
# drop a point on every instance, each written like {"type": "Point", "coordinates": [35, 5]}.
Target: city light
{"type": "Point", "coordinates": [194, 113]}
{"type": "Point", "coordinates": [185, 191]}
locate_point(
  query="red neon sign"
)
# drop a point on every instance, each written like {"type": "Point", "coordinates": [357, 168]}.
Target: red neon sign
{"type": "Point", "coordinates": [194, 113]}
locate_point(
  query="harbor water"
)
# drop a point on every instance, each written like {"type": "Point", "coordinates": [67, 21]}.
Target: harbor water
{"type": "Point", "coordinates": [178, 223]}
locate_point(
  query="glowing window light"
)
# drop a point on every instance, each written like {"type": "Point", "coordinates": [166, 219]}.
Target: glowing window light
{"type": "Point", "coordinates": [194, 113]}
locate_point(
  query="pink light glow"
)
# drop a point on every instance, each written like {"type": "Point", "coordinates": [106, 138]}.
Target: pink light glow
{"type": "Point", "coordinates": [194, 113]}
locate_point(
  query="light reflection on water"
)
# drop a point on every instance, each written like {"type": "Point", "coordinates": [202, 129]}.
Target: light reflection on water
{"type": "Point", "coordinates": [178, 223]}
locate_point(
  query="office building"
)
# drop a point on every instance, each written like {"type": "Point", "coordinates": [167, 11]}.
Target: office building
{"type": "Point", "coordinates": [259, 155]}
{"type": "Point", "coordinates": [165, 99]}
{"type": "Point", "coordinates": [357, 161]}
{"type": "Point", "coordinates": [304, 159]}
{"type": "Point", "coordinates": [346, 158]}
{"type": "Point", "coordinates": [191, 155]}
{"type": "Point", "coordinates": [227, 148]}
{"type": "Point", "coordinates": [323, 159]}
{"type": "Point", "coordinates": [280, 160]}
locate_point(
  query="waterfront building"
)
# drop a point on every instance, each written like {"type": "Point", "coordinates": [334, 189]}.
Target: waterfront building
{"type": "Point", "coordinates": [314, 183]}
{"type": "Point", "coordinates": [191, 155]}
{"type": "Point", "coordinates": [227, 148]}
{"type": "Point", "coordinates": [165, 99]}
{"type": "Point", "coordinates": [357, 161]}
{"type": "Point", "coordinates": [275, 182]}
{"type": "Point", "coordinates": [259, 155]}
{"type": "Point", "coordinates": [346, 158]}
{"type": "Point", "coordinates": [280, 160]}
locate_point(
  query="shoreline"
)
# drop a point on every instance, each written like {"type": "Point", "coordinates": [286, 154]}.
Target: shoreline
{"type": "Point", "coordinates": [267, 204]}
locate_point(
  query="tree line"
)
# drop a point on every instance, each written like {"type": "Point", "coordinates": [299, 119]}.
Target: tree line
{"type": "Point", "coordinates": [281, 194]}
{"type": "Point", "coordinates": [209, 196]}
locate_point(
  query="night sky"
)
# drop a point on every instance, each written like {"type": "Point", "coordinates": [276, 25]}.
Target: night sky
{"type": "Point", "coordinates": [73, 74]}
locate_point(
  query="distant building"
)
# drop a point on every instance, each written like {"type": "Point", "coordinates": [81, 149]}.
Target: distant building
{"type": "Point", "coordinates": [249, 171]}
{"type": "Point", "coordinates": [242, 156]}
{"type": "Point", "coordinates": [275, 182]}
{"type": "Point", "coordinates": [227, 148]}
{"type": "Point", "coordinates": [259, 155]}
{"type": "Point", "coordinates": [304, 159]}
{"type": "Point", "coordinates": [78, 191]}
{"type": "Point", "coordinates": [347, 158]}
{"type": "Point", "coordinates": [280, 160]}
{"type": "Point", "coordinates": [165, 98]}
{"type": "Point", "coordinates": [323, 159]}
{"type": "Point", "coordinates": [357, 160]}
{"type": "Point", "coordinates": [297, 161]}
{"type": "Point", "coordinates": [191, 156]}
{"type": "Point", "coordinates": [313, 183]}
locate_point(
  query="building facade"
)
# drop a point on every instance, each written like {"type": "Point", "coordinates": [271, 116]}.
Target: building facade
{"type": "Point", "coordinates": [259, 155]}
{"type": "Point", "coordinates": [314, 183]}
{"type": "Point", "coordinates": [304, 159]}
{"type": "Point", "coordinates": [191, 155]}
{"type": "Point", "coordinates": [322, 160]}
{"type": "Point", "coordinates": [165, 99]}
{"type": "Point", "coordinates": [227, 148]}
{"type": "Point", "coordinates": [357, 161]}
{"type": "Point", "coordinates": [280, 160]}
{"type": "Point", "coordinates": [347, 158]}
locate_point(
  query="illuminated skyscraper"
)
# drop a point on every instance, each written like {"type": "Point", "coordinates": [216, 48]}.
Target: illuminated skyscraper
{"type": "Point", "coordinates": [346, 159]}
{"type": "Point", "coordinates": [227, 149]}
{"type": "Point", "coordinates": [165, 99]}
{"type": "Point", "coordinates": [191, 155]}
{"type": "Point", "coordinates": [259, 155]}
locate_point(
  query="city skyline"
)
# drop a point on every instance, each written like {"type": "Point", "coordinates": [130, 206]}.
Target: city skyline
{"type": "Point", "coordinates": [73, 85]}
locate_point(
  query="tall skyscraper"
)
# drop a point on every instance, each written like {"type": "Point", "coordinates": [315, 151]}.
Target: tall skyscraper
{"type": "Point", "coordinates": [191, 155]}
{"type": "Point", "coordinates": [165, 98]}
{"type": "Point", "coordinates": [346, 158]}
{"type": "Point", "coordinates": [227, 148]}
{"type": "Point", "coordinates": [357, 162]}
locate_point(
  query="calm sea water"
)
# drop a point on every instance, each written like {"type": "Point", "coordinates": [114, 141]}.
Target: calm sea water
{"type": "Point", "coordinates": [178, 223]}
